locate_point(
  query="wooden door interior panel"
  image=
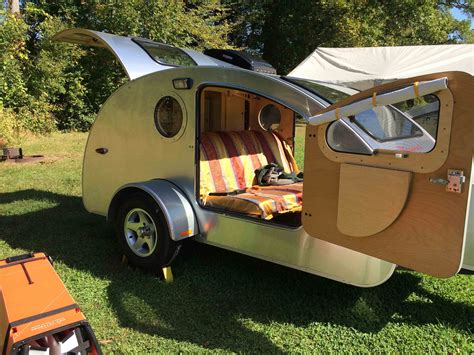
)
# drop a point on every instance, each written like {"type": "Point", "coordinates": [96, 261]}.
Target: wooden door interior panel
{"type": "Point", "coordinates": [428, 234]}
{"type": "Point", "coordinates": [370, 199]}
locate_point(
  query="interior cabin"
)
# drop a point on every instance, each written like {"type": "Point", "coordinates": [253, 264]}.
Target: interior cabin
{"type": "Point", "coordinates": [239, 133]}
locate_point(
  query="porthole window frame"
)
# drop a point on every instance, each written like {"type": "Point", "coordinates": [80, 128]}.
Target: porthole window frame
{"type": "Point", "coordinates": [260, 113]}
{"type": "Point", "coordinates": [181, 130]}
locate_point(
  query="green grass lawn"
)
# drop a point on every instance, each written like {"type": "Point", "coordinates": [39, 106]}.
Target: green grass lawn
{"type": "Point", "coordinates": [219, 301]}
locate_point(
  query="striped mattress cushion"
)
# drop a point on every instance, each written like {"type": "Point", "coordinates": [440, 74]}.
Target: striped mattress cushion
{"type": "Point", "coordinates": [262, 201]}
{"type": "Point", "coordinates": [228, 160]}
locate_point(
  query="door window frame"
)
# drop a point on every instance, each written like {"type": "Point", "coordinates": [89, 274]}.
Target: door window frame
{"type": "Point", "coordinates": [406, 160]}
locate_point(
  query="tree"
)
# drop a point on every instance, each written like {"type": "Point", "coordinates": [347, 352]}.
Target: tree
{"type": "Point", "coordinates": [43, 82]}
{"type": "Point", "coordinates": [467, 6]}
{"type": "Point", "coordinates": [14, 7]}
{"type": "Point", "coordinates": [287, 32]}
{"type": "Point", "coordinates": [196, 24]}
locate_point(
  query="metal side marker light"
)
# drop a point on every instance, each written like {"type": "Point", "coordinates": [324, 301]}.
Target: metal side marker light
{"type": "Point", "coordinates": [186, 233]}
{"type": "Point", "coordinates": [182, 83]}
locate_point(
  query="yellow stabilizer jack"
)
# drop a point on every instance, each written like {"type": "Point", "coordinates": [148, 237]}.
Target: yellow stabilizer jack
{"type": "Point", "coordinates": [167, 274]}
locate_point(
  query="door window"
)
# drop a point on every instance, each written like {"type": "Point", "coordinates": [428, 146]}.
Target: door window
{"type": "Point", "coordinates": [425, 112]}
{"type": "Point", "coordinates": [410, 125]}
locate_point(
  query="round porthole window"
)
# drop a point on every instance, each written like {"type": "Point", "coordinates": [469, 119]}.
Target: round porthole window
{"type": "Point", "coordinates": [269, 117]}
{"type": "Point", "coordinates": [168, 117]}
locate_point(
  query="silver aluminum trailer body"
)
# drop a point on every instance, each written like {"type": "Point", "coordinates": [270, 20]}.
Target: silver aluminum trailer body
{"type": "Point", "coordinates": [124, 153]}
{"type": "Point", "coordinates": [137, 154]}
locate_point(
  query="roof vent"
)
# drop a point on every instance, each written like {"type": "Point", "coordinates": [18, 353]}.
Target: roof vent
{"type": "Point", "coordinates": [242, 60]}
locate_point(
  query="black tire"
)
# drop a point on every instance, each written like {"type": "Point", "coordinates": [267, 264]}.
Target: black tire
{"type": "Point", "coordinates": [166, 249]}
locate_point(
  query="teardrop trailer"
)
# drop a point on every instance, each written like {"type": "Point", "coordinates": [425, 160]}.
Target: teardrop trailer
{"type": "Point", "coordinates": [173, 152]}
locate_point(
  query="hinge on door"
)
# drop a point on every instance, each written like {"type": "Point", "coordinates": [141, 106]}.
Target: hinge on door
{"type": "Point", "coordinates": [454, 181]}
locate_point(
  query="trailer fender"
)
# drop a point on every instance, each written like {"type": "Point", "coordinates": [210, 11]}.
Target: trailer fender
{"type": "Point", "coordinates": [174, 204]}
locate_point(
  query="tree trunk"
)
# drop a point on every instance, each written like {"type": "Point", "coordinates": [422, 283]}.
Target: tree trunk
{"type": "Point", "coordinates": [14, 7]}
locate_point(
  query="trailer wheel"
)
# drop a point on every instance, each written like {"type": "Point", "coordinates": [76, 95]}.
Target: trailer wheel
{"type": "Point", "coordinates": [143, 233]}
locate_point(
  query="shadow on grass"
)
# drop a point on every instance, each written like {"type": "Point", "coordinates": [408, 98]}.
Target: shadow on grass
{"type": "Point", "coordinates": [219, 299]}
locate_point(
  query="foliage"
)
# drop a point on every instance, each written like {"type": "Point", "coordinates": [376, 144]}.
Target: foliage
{"type": "Point", "coordinates": [33, 112]}
{"type": "Point", "coordinates": [8, 127]}
{"type": "Point", "coordinates": [14, 62]}
{"type": "Point", "coordinates": [286, 32]}
{"type": "Point", "coordinates": [466, 6]}
{"type": "Point", "coordinates": [196, 24]}
{"type": "Point", "coordinates": [56, 77]}
{"type": "Point", "coordinates": [48, 85]}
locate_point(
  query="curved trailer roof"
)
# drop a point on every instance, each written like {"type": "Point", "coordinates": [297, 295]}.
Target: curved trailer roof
{"type": "Point", "coordinates": [134, 59]}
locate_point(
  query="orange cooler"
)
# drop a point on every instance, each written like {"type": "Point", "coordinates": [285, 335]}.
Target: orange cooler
{"type": "Point", "coordinates": [37, 313]}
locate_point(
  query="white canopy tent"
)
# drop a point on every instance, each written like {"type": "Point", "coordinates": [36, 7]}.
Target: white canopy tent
{"type": "Point", "coordinates": [363, 68]}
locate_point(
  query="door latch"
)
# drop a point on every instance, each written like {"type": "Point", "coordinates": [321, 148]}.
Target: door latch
{"type": "Point", "coordinates": [454, 181]}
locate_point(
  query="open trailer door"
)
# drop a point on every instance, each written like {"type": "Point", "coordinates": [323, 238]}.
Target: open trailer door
{"type": "Point", "coordinates": [376, 180]}
{"type": "Point", "coordinates": [130, 52]}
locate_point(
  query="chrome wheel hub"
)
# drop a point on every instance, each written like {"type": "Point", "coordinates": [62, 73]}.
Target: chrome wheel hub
{"type": "Point", "coordinates": [140, 232]}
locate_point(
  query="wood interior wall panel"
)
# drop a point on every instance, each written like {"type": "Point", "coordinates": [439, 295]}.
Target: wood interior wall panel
{"type": "Point", "coordinates": [234, 113]}
{"type": "Point", "coordinates": [286, 130]}
{"type": "Point", "coordinates": [428, 234]}
{"type": "Point", "coordinates": [365, 205]}
{"type": "Point", "coordinates": [232, 107]}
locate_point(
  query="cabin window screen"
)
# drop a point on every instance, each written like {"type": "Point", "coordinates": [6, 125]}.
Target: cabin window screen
{"type": "Point", "coordinates": [424, 111]}
{"type": "Point", "coordinates": [168, 117]}
{"type": "Point", "coordinates": [406, 126]}
{"type": "Point", "coordinates": [164, 54]}
{"type": "Point", "coordinates": [342, 138]}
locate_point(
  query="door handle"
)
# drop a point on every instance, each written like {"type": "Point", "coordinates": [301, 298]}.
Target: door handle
{"type": "Point", "coordinates": [102, 150]}
{"type": "Point", "coordinates": [439, 181]}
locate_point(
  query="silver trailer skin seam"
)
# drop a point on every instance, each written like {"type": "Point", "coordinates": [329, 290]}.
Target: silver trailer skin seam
{"type": "Point", "coordinates": [122, 125]}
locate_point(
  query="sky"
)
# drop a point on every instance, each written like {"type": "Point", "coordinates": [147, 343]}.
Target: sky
{"type": "Point", "coordinates": [461, 16]}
